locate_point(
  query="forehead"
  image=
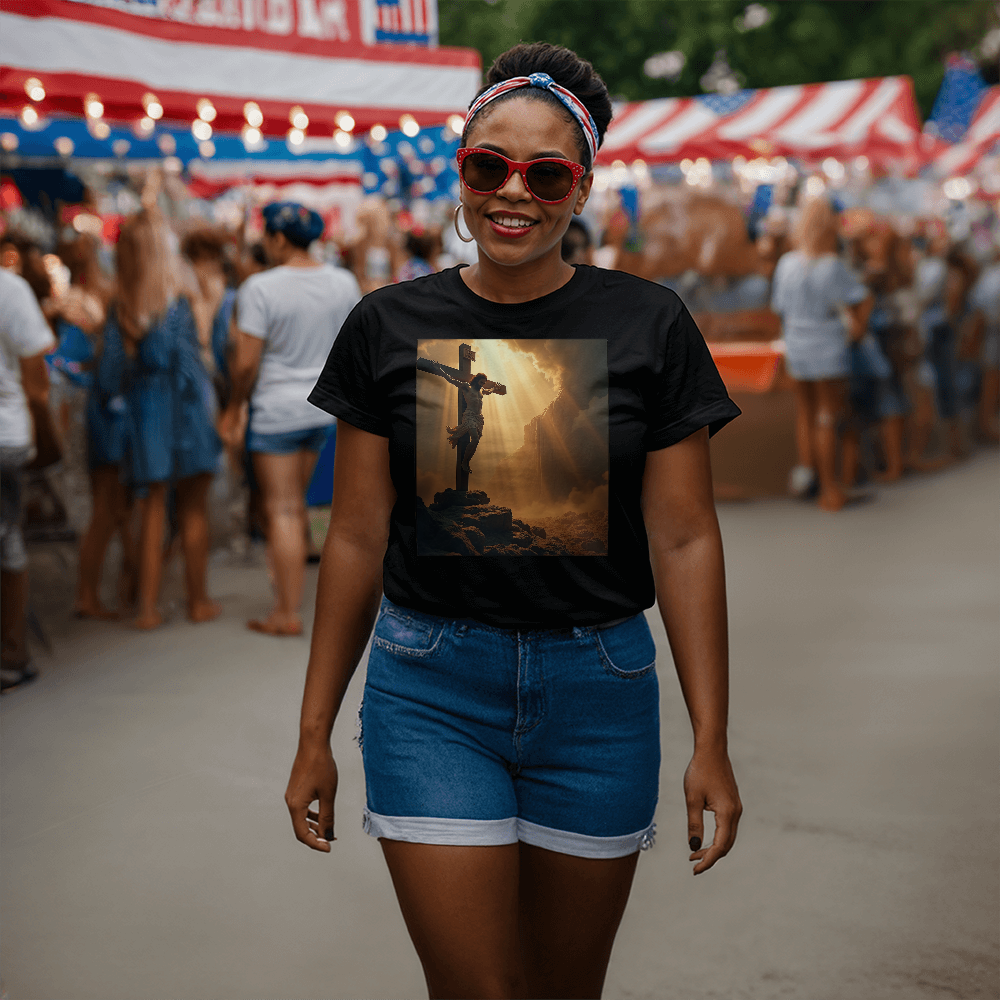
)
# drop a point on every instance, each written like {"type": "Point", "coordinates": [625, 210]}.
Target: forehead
{"type": "Point", "coordinates": [526, 125]}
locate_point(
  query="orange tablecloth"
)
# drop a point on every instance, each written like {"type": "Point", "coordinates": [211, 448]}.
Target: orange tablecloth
{"type": "Point", "coordinates": [748, 367]}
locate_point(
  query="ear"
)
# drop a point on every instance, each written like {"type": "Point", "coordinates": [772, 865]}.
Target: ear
{"type": "Point", "coordinates": [583, 192]}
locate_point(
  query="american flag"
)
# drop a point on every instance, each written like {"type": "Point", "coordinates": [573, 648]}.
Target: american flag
{"type": "Point", "coordinates": [395, 22]}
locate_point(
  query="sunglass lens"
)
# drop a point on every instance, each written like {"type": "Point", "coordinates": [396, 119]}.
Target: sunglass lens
{"type": "Point", "coordinates": [483, 172]}
{"type": "Point", "coordinates": [550, 181]}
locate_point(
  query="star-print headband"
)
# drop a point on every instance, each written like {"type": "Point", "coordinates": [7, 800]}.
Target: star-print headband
{"type": "Point", "coordinates": [544, 82]}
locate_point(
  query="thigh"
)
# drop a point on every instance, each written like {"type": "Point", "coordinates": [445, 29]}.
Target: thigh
{"type": "Point", "coordinates": [830, 395]}
{"type": "Point", "coordinates": [307, 464]}
{"type": "Point", "coordinates": [279, 477]}
{"type": "Point", "coordinates": [192, 491]}
{"type": "Point", "coordinates": [460, 905]}
{"type": "Point", "coordinates": [569, 911]}
{"type": "Point", "coordinates": [805, 395]}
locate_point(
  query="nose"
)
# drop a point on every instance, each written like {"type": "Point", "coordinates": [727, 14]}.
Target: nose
{"type": "Point", "coordinates": [514, 188]}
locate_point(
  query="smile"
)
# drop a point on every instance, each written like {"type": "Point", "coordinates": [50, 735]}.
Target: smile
{"type": "Point", "coordinates": [510, 225]}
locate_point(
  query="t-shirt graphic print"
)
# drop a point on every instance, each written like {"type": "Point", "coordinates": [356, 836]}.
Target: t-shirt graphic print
{"type": "Point", "coordinates": [512, 447]}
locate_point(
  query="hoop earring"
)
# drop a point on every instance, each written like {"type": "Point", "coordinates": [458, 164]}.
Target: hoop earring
{"type": "Point", "coordinates": [464, 239]}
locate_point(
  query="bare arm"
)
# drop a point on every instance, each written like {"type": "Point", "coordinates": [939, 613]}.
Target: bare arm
{"type": "Point", "coordinates": [685, 549]}
{"type": "Point", "coordinates": [35, 382]}
{"type": "Point", "coordinates": [243, 370]}
{"type": "Point", "coordinates": [859, 314]}
{"type": "Point", "coordinates": [347, 602]}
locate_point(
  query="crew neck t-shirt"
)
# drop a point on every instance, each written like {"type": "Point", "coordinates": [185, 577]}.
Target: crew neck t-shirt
{"type": "Point", "coordinates": [23, 334]}
{"type": "Point", "coordinates": [548, 531]}
{"type": "Point", "coordinates": [297, 312]}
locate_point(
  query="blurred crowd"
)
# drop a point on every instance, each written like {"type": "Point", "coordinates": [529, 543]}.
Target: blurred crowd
{"type": "Point", "coordinates": [189, 350]}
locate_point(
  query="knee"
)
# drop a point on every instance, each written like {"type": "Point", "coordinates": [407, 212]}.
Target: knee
{"type": "Point", "coordinates": [285, 507]}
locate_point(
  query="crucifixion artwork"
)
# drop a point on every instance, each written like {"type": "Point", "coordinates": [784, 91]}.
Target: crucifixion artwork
{"type": "Point", "coordinates": [511, 447]}
{"type": "Point", "coordinates": [467, 431]}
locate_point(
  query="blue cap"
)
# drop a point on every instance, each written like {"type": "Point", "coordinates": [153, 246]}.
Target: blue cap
{"type": "Point", "coordinates": [300, 224]}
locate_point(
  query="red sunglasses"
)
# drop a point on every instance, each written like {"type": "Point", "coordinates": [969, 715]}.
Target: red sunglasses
{"type": "Point", "coordinates": [550, 180]}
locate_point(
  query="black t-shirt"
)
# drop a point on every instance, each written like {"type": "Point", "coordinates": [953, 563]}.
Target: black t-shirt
{"type": "Point", "coordinates": [546, 530]}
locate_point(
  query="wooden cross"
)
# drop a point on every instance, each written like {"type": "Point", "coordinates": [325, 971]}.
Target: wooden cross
{"type": "Point", "coordinates": [466, 355]}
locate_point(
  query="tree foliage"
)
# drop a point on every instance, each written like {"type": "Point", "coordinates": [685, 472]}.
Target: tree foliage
{"type": "Point", "coordinates": [805, 41]}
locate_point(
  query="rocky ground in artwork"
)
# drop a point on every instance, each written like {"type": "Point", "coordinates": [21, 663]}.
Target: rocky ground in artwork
{"type": "Point", "coordinates": [467, 523]}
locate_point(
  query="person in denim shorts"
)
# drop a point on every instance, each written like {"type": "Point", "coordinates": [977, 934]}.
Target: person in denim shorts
{"type": "Point", "coordinates": [287, 319]}
{"type": "Point", "coordinates": [510, 722]}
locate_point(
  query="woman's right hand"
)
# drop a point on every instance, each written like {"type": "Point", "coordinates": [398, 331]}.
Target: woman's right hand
{"type": "Point", "coordinates": [313, 778]}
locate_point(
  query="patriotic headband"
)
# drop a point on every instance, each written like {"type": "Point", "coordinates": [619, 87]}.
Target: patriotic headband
{"type": "Point", "coordinates": [544, 82]}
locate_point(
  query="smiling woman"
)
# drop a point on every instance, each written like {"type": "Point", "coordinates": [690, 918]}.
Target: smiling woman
{"type": "Point", "coordinates": [510, 716]}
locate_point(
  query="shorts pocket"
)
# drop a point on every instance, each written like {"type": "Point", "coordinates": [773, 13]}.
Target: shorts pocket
{"type": "Point", "coordinates": [405, 636]}
{"type": "Point", "coordinates": [627, 650]}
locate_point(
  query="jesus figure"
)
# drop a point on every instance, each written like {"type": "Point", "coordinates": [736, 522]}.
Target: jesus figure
{"type": "Point", "coordinates": [472, 422]}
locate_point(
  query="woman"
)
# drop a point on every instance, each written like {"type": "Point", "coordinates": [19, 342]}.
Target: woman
{"type": "Point", "coordinates": [510, 720]}
{"type": "Point", "coordinates": [171, 439]}
{"type": "Point", "coordinates": [287, 320]}
{"type": "Point", "coordinates": [824, 309]}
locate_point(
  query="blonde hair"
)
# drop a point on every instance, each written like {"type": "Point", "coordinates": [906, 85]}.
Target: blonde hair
{"type": "Point", "coordinates": [816, 228]}
{"type": "Point", "coordinates": [147, 272]}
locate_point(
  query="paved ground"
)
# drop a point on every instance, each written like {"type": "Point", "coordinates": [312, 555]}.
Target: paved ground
{"type": "Point", "coordinates": [147, 852]}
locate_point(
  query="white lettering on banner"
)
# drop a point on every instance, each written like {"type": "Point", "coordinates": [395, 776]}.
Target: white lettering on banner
{"type": "Point", "coordinates": [280, 19]}
{"type": "Point", "coordinates": [327, 19]}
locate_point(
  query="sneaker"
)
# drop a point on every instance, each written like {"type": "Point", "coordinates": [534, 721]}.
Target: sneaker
{"type": "Point", "coordinates": [12, 677]}
{"type": "Point", "coordinates": [801, 481]}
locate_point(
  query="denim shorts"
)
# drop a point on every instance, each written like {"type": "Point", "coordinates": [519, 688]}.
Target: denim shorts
{"type": "Point", "coordinates": [481, 736]}
{"type": "Point", "coordinates": [289, 442]}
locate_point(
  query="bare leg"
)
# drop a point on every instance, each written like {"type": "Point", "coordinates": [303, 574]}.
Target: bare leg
{"type": "Point", "coordinates": [805, 419]}
{"type": "Point", "coordinates": [921, 427]}
{"type": "Point", "coordinates": [850, 456]}
{"type": "Point", "coordinates": [570, 911]}
{"type": "Point", "coordinates": [470, 450]}
{"type": "Point", "coordinates": [106, 500]}
{"type": "Point", "coordinates": [13, 617]}
{"type": "Point", "coordinates": [829, 407]}
{"type": "Point", "coordinates": [989, 405]}
{"type": "Point", "coordinates": [128, 580]}
{"type": "Point", "coordinates": [280, 478]}
{"type": "Point", "coordinates": [512, 921]}
{"type": "Point", "coordinates": [460, 905]}
{"type": "Point", "coordinates": [153, 508]}
{"type": "Point", "coordinates": [308, 464]}
{"type": "Point", "coordinates": [192, 513]}
{"type": "Point", "coordinates": [892, 444]}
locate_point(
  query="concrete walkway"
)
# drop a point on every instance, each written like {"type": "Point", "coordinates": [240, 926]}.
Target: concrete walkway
{"type": "Point", "coordinates": [147, 853]}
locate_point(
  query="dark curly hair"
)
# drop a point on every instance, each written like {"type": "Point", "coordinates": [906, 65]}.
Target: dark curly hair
{"type": "Point", "coordinates": [567, 69]}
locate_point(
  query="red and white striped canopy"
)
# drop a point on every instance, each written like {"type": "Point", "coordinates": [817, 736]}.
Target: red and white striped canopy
{"type": "Point", "coordinates": [876, 118]}
{"type": "Point", "coordinates": [325, 56]}
{"type": "Point", "coordinates": [980, 137]}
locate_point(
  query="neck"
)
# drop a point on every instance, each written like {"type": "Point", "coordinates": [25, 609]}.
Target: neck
{"type": "Point", "coordinates": [299, 258]}
{"type": "Point", "coordinates": [520, 283]}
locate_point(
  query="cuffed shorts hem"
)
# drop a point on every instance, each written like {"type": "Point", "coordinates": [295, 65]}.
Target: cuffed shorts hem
{"type": "Point", "coordinates": [289, 442]}
{"type": "Point", "coordinates": [498, 832]}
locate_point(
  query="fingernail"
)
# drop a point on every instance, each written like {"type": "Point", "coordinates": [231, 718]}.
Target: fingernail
{"type": "Point", "coordinates": [329, 835]}
{"type": "Point", "coordinates": [695, 843]}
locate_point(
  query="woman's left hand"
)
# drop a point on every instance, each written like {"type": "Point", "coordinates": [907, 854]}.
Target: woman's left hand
{"type": "Point", "coordinates": [710, 786]}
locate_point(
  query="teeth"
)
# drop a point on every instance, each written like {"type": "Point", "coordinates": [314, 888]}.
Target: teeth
{"type": "Point", "coordinates": [506, 220]}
